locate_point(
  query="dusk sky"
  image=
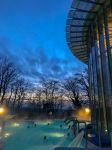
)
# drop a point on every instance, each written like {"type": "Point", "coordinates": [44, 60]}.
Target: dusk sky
{"type": "Point", "coordinates": [33, 36]}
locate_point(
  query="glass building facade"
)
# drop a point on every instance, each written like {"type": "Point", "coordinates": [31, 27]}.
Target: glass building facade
{"type": "Point", "coordinates": [89, 36]}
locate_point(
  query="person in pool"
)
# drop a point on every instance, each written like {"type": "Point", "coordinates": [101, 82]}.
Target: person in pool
{"type": "Point", "coordinates": [68, 134]}
{"type": "Point", "coordinates": [28, 126]}
{"type": "Point", "coordinates": [61, 126]}
{"type": "Point", "coordinates": [69, 127]}
{"type": "Point", "coordinates": [45, 137]}
{"type": "Point", "coordinates": [35, 124]}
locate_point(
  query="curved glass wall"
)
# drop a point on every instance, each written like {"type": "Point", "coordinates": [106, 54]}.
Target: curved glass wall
{"type": "Point", "coordinates": [89, 36]}
{"type": "Point", "coordinates": [100, 61]}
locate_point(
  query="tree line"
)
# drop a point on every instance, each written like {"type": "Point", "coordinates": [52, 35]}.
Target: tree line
{"type": "Point", "coordinates": [48, 94]}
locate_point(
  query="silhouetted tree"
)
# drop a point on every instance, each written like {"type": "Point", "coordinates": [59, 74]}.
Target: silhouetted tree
{"type": "Point", "coordinates": [50, 90]}
{"type": "Point", "coordinates": [72, 87]}
{"type": "Point", "coordinates": [83, 81]}
{"type": "Point", "coordinates": [8, 74]}
{"type": "Point", "coordinates": [20, 88]}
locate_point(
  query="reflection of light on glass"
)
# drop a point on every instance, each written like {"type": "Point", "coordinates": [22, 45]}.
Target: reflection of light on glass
{"type": "Point", "coordinates": [91, 135]}
{"type": "Point", "coordinates": [15, 124]}
{"type": "Point", "coordinates": [7, 135]}
{"type": "Point", "coordinates": [56, 134]}
{"type": "Point", "coordinates": [50, 113]}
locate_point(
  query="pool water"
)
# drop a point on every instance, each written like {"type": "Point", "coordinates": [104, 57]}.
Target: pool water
{"type": "Point", "coordinates": [30, 135]}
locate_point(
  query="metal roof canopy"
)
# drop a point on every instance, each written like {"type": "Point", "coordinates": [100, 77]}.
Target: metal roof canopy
{"type": "Point", "coordinates": [79, 19]}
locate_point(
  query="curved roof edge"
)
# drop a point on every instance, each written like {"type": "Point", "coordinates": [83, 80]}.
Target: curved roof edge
{"type": "Point", "coordinates": [80, 16]}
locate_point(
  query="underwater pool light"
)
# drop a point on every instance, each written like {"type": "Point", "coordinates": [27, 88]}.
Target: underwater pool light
{"type": "Point", "coordinates": [7, 135]}
{"type": "Point", "coordinates": [57, 135]}
{"type": "Point", "coordinates": [15, 124]}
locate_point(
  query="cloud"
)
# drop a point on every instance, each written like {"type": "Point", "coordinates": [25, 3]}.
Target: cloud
{"type": "Point", "coordinates": [40, 62]}
{"type": "Point", "coordinates": [32, 35]}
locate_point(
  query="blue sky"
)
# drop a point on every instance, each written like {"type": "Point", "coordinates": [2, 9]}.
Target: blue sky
{"type": "Point", "coordinates": [32, 35]}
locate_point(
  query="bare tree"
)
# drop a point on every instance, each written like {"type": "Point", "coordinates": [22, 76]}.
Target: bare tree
{"type": "Point", "coordinates": [59, 98]}
{"type": "Point", "coordinates": [7, 75]}
{"type": "Point", "coordinates": [50, 88]}
{"type": "Point", "coordinates": [54, 86]}
{"type": "Point", "coordinates": [39, 94]}
{"type": "Point", "coordinates": [19, 90]}
{"type": "Point", "coordinates": [78, 87]}
{"type": "Point", "coordinates": [83, 81]}
{"type": "Point", "coordinates": [71, 86]}
{"type": "Point", "coordinates": [10, 91]}
{"type": "Point", "coordinates": [37, 100]}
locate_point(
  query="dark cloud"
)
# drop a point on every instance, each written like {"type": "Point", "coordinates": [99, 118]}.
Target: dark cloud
{"type": "Point", "coordinates": [32, 35]}
{"type": "Point", "coordinates": [38, 63]}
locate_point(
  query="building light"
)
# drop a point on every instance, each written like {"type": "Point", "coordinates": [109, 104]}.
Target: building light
{"type": "Point", "coordinates": [87, 110]}
{"type": "Point", "coordinates": [2, 110]}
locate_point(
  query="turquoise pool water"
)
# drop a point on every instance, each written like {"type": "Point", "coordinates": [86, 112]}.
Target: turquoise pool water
{"type": "Point", "coordinates": [28, 136]}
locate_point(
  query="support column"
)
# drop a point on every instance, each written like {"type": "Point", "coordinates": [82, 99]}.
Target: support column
{"type": "Point", "coordinates": [98, 81]}
{"type": "Point", "coordinates": [92, 80]}
{"type": "Point", "coordinates": [90, 84]}
{"type": "Point", "coordinates": [109, 57]}
{"type": "Point", "coordinates": [103, 68]}
{"type": "Point", "coordinates": [91, 88]}
{"type": "Point", "coordinates": [108, 44]}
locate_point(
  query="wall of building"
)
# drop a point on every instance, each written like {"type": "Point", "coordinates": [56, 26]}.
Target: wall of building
{"type": "Point", "coordinates": [100, 69]}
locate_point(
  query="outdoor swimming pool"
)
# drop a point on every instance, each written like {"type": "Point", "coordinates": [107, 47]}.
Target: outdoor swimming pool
{"type": "Point", "coordinates": [30, 135]}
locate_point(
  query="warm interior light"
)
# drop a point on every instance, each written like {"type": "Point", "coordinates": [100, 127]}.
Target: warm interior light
{"type": "Point", "coordinates": [83, 114]}
{"type": "Point", "coordinates": [87, 110]}
{"type": "Point", "coordinates": [2, 110]}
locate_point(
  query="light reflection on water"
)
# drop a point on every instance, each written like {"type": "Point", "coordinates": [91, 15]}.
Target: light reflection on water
{"type": "Point", "coordinates": [58, 135]}
{"type": "Point", "coordinates": [44, 122]}
{"type": "Point", "coordinates": [32, 138]}
{"type": "Point", "coordinates": [15, 124]}
{"type": "Point", "coordinates": [7, 134]}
